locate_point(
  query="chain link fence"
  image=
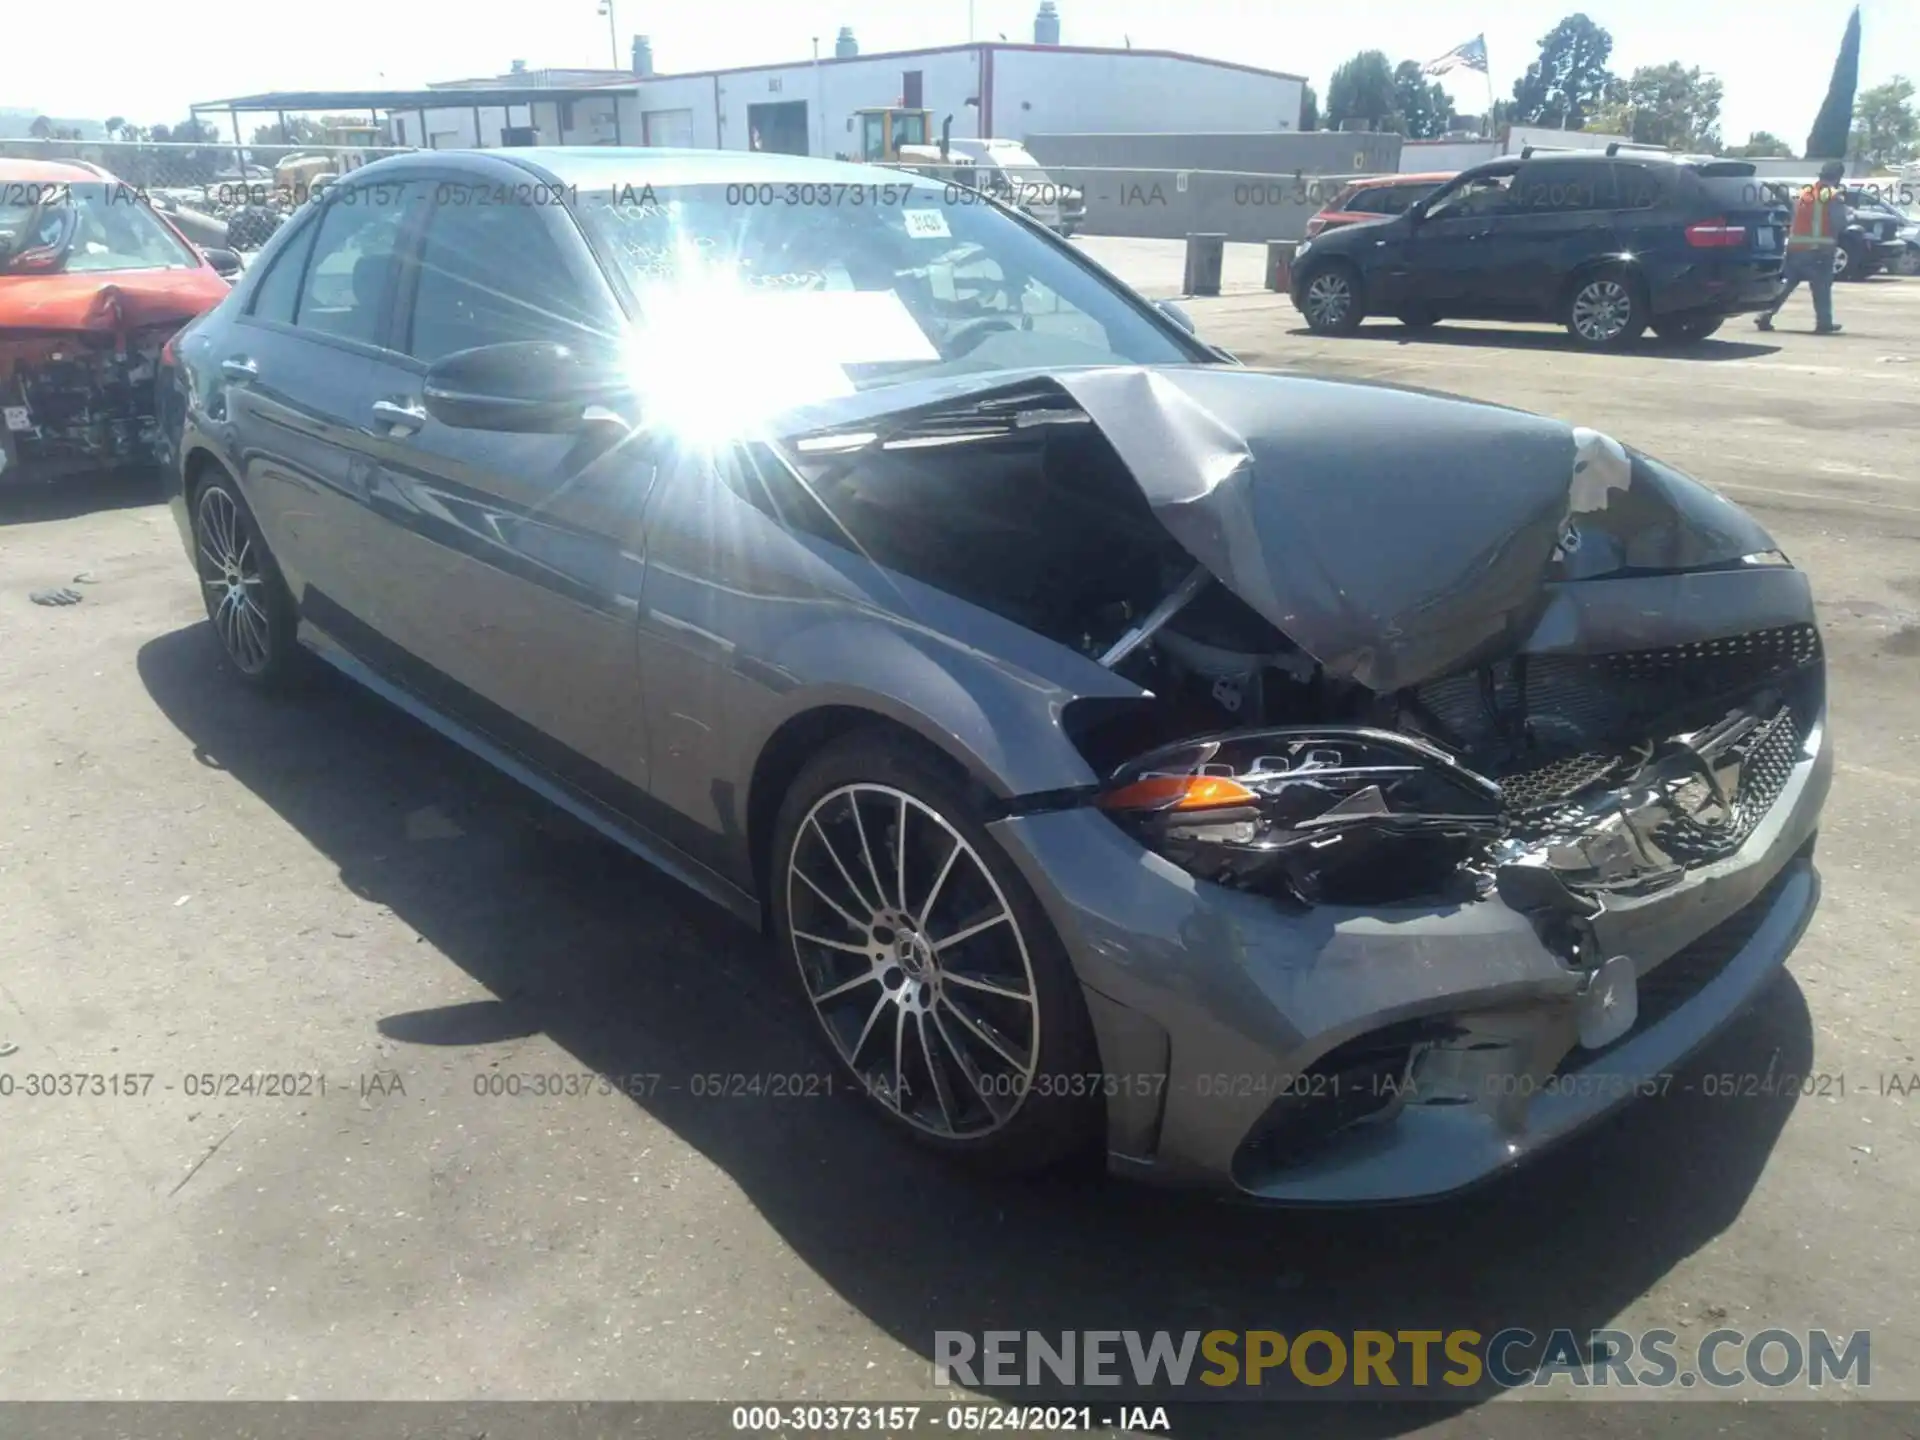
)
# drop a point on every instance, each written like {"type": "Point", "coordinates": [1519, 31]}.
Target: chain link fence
{"type": "Point", "coordinates": [231, 196]}
{"type": "Point", "coordinates": [236, 196]}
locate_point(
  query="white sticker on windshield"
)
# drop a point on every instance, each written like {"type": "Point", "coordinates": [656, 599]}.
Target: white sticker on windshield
{"type": "Point", "coordinates": [927, 225]}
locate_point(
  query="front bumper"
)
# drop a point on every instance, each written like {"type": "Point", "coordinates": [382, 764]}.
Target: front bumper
{"type": "Point", "coordinates": [1220, 1015]}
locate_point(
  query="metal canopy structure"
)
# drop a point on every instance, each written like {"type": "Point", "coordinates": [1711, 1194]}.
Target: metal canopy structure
{"type": "Point", "coordinates": [282, 103]}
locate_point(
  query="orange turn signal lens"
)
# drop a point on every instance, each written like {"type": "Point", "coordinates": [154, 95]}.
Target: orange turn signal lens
{"type": "Point", "coordinates": [1178, 792]}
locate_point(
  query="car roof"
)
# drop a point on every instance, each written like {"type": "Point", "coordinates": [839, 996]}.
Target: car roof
{"type": "Point", "coordinates": [597, 167]}
{"type": "Point", "coordinates": [51, 172]}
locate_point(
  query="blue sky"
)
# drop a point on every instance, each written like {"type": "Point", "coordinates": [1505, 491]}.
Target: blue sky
{"type": "Point", "coordinates": [150, 61]}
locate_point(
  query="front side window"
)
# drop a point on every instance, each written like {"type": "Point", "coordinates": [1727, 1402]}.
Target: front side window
{"type": "Point", "coordinates": [344, 293]}
{"type": "Point", "coordinates": [1480, 195]}
{"type": "Point", "coordinates": [490, 274]}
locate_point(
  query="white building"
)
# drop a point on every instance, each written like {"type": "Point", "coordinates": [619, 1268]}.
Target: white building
{"type": "Point", "coordinates": [809, 107]}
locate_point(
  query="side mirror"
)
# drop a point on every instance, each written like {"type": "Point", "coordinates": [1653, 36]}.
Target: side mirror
{"type": "Point", "coordinates": [532, 386]}
{"type": "Point", "coordinates": [1177, 314]}
{"type": "Point", "coordinates": [224, 262]}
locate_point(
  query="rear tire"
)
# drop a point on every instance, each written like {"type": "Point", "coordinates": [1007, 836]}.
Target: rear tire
{"type": "Point", "coordinates": [1330, 299]}
{"type": "Point", "coordinates": [1686, 332]}
{"type": "Point", "coordinates": [1850, 261]}
{"type": "Point", "coordinates": [1606, 310]}
{"type": "Point", "coordinates": [1418, 319]}
{"type": "Point", "coordinates": [246, 597]}
{"type": "Point", "coordinates": [934, 976]}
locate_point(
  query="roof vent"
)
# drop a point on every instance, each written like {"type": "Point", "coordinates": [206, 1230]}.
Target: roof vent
{"type": "Point", "coordinates": [642, 55]}
{"type": "Point", "coordinates": [845, 47]}
{"type": "Point", "coordinates": [1046, 25]}
{"type": "Point", "coordinates": [518, 67]}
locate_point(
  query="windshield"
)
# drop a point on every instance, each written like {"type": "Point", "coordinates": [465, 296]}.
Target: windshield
{"type": "Point", "coordinates": [84, 229]}
{"type": "Point", "coordinates": [829, 287]}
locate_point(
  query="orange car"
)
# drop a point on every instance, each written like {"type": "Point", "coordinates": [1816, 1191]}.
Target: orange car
{"type": "Point", "coordinates": [92, 283]}
{"type": "Point", "coordinates": [1375, 198]}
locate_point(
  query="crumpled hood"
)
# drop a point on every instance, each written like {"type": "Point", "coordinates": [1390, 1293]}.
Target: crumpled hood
{"type": "Point", "coordinates": [116, 300]}
{"type": "Point", "coordinates": [1395, 535]}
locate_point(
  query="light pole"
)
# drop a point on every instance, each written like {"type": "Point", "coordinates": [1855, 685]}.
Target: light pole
{"type": "Point", "coordinates": [613, 33]}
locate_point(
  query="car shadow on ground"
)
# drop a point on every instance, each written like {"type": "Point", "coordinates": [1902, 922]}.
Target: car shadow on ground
{"type": "Point", "coordinates": [1463, 333]}
{"type": "Point", "coordinates": [631, 974]}
{"type": "Point", "coordinates": [25, 502]}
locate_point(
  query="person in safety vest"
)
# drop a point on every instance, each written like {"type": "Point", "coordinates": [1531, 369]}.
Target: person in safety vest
{"type": "Point", "coordinates": [1818, 218]}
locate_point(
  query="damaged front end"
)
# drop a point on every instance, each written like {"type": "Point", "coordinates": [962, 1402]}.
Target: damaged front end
{"type": "Point", "coordinates": [85, 401]}
{"type": "Point", "coordinates": [1612, 776]}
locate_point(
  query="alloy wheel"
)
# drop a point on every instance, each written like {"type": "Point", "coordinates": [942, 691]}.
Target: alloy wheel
{"type": "Point", "coordinates": [1329, 297]}
{"type": "Point", "coordinates": [913, 960]}
{"type": "Point", "coordinates": [230, 572]}
{"type": "Point", "coordinates": [1841, 261]}
{"type": "Point", "coordinates": [1601, 311]}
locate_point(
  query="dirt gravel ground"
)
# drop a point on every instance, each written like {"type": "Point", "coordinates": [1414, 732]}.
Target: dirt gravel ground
{"type": "Point", "coordinates": [195, 883]}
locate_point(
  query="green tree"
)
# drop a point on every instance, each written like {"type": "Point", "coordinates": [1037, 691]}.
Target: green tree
{"type": "Point", "coordinates": [1569, 79]}
{"type": "Point", "coordinates": [1883, 122]}
{"type": "Point", "coordinates": [1424, 107]}
{"type": "Point", "coordinates": [1828, 138]}
{"type": "Point", "coordinates": [300, 130]}
{"type": "Point", "coordinates": [41, 128]}
{"type": "Point", "coordinates": [1762, 145]}
{"type": "Point", "coordinates": [115, 124]}
{"type": "Point", "coordinates": [1309, 108]}
{"type": "Point", "coordinates": [1672, 105]}
{"type": "Point", "coordinates": [1362, 89]}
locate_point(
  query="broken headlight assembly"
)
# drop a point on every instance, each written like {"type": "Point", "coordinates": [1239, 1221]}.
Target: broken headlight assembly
{"type": "Point", "coordinates": [1340, 816]}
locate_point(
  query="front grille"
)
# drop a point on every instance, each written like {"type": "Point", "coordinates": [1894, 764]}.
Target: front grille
{"type": "Point", "coordinates": [1549, 728]}
{"type": "Point", "coordinates": [1550, 784]}
{"type": "Point", "coordinates": [1688, 971]}
{"type": "Point", "coordinates": [1764, 773]}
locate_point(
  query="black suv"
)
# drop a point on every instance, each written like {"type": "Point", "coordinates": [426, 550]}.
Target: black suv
{"type": "Point", "coordinates": [1604, 243]}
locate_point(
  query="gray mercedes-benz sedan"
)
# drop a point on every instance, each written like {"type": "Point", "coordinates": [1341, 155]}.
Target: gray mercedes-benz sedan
{"type": "Point", "coordinates": [1318, 790]}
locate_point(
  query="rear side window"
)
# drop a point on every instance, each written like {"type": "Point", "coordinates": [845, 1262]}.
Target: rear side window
{"type": "Point", "coordinates": [344, 293]}
{"type": "Point", "coordinates": [1638, 186]}
{"type": "Point", "coordinates": [1560, 187]}
{"type": "Point", "coordinates": [275, 297]}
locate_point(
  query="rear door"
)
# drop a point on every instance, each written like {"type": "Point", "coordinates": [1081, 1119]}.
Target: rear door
{"type": "Point", "coordinates": [1559, 216]}
{"type": "Point", "coordinates": [515, 558]}
{"type": "Point", "coordinates": [296, 377]}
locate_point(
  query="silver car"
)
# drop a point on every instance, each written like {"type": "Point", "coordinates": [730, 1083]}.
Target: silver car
{"type": "Point", "coordinates": [1319, 790]}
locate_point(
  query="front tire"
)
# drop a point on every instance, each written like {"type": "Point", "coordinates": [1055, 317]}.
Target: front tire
{"type": "Point", "coordinates": [1330, 300]}
{"type": "Point", "coordinates": [1849, 261]}
{"type": "Point", "coordinates": [934, 975]}
{"type": "Point", "coordinates": [1605, 310]}
{"type": "Point", "coordinates": [1418, 318]}
{"type": "Point", "coordinates": [247, 600]}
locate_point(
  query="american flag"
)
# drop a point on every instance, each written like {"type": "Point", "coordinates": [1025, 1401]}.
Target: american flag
{"type": "Point", "coordinates": [1470, 56]}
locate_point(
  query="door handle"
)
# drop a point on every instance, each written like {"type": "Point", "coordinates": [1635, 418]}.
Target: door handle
{"type": "Point", "coordinates": [239, 367]}
{"type": "Point", "coordinates": [402, 416]}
